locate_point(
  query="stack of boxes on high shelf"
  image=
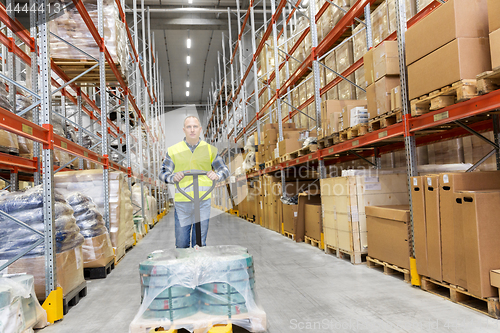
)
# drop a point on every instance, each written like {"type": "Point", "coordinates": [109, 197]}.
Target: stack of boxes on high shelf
{"type": "Point", "coordinates": [362, 212]}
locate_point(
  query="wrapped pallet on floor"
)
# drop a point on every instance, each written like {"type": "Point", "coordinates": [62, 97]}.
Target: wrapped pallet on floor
{"type": "Point", "coordinates": [150, 205]}
{"type": "Point", "coordinates": [90, 182]}
{"type": "Point", "coordinates": [343, 202]}
{"type": "Point", "coordinates": [27, 206]}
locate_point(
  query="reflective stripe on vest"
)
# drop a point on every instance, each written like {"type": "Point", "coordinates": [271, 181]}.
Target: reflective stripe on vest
{"type": "Point", "coordinates": [184, 159]}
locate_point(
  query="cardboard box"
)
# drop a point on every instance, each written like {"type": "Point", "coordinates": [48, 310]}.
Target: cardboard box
{"type": "Point", "coordinates": [451, 229]}
{"type": "Point", "coordinates": [386, 60]}
{"type": "Point", "coordinates": [460, 59]}
{"type": "Point", "coordinates": [313, 221]}
{"type": "Point", "coordinates": [290, 214]}
{"type": "Point", "coordinates": [371, 98]}
{"type": "Point", "coordinates": [481, 233]}
{"type": "Point", "coordinates": [495, 278]}
{"type": "Point", "coordinates": [310, 198]}
{"type": "Point", "coordinates": [330, 107]}
{"type": "Point", "coordinates": [396, 99]}
{"type": "Point", "coordinates": [288, 145]}
{"type": "Point", "coordinates": [433, 223]}
{"type": "Point", "coordinates": [97, 251]}
{"type": "Point", "coordinates": [347, 113]}
{"type": "Point", "coordinates": [271, 137]}
{"type": "Point", "coordinates": [419, 223]}
{"type": "Point", "coordinates": [495, 48]}
{"type": "Point", "coordinates": [388, 234]}
{"type": "Point", "coordinates": [383, 89]}
{"type": "Point", "coordinates": [369, 67]}
{"type": "Point", "coordinates": [334, 125]}
{"type": "Point", "coordinates": [493, 15]}
{"type": "Point", "coordinates": [460, 264]}
{"type": "Point", "coordinates": [454, 19]}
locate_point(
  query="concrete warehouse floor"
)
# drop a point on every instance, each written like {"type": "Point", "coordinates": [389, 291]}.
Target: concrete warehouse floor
{"type": "Point", "coordinates": [301, 288]}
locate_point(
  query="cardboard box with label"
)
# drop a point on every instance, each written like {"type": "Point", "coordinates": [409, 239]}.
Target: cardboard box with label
{"type": "Point", "coordinates": [452, 20]}
{"type": "Point", "coordinates": [371, 98]}
{"type": "Point", "coordinates": [288, 145]}
{"type": "Point", "coordinates": [386, 60]}
{"type": "Point", "coordinates": [290, 214]}
{"type": "Point", "coordinates": [313, 221]}
{"type": "Point", "coordinates": [383, 89]}
{"type": "Point", "coordinates": [369, 67]}
{"type": "Point", "coordinates": [433, 223]}
{"type": "Point", "coordinates": [396, 99]}
{"type": "Point", "coordinates": [419, 223]}
{"type": "Point", "coordinates": [460, 59]}
{"type": "Point", "coordinates": [388, 234]}
{"type": "Point", "coordinates": [307, 198]}
{"type": "Point", "coordinates": [495, 48]}
{"type": "Point", "coordinates": [493, 15]}
{"type": "Point", "coordinates": [330, 107]}
{"type": "Point", "coordinates": [481, 234]}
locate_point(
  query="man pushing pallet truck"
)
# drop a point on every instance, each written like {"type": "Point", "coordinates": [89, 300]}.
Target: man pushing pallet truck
{"type": "Point", "coordinates": [201, 289]}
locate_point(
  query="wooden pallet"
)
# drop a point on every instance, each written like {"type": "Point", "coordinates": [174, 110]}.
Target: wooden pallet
{"type": "Point", "coordinates": [284, 158]}
{"type": "Point", "coordinates": [90, 273]}
{"type": "Point", "coordinates": [313, 242]}
{"type": "Point", "coordinates": [255, 321]}
{"type": "Point", "coordinates": [9, 150]}
{"type": "Point", "coordinates": [328, 141]}
{"type": "Point", "coordinates": [356, 258]}
{"type": "Point", "coordinates": [488, 306]}
{"type": "Point", "coordinates": [488, 81]}
{"type": "Point", "coordinates": [269, 163]}
{"type": "Point", "coordinates": [353, 132]}
{"type": "Point", "coordinates": [458, 92]}
{"type": "Point", "coordinates": [73, 297]}
{"type": "Point", "coordinates": [289, 235]}
{"type": "Point", "coordinates": [303, 151]}
{"type": "Point", "coordinates": [389, 269]}
{"type": "Point", "coordinates": [74, 67]}
{"type": "Point", "coordinates": [384, 120]}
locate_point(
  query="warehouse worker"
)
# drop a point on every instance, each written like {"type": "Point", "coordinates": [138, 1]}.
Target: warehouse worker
{"type": "Point", "coordinates": [192, 154]}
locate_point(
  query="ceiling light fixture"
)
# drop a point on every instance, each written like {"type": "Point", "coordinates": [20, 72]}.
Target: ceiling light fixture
{"type": "Point", "coordinates": [190, 1]}
{"type": "Point", "coordinates": [187, 84]}
{"type": "Point", "coordinates": [188, 59]}
{"type": "Point", "coordinates": [187, 93]}
{"type": "Point", "coordinates": [189, 43]}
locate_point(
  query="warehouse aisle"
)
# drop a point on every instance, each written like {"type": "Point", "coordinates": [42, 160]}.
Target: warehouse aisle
{"type": "Point", "coordinates": [300, 288]}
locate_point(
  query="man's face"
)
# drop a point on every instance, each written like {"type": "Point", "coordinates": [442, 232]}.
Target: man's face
{"type": "Point", "coordinates": [192, 129]}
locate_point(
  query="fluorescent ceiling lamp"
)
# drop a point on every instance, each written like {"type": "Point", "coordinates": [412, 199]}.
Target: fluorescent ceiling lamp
{"type": "Point", "coordinates": [190, 1]}
{"type": "Point", "coordinates": [187, 93]}
{"type": "Point", "coordinates": [187, 84]}
{"type": "Point", "coordinates": [188, 59]}
{"type": "Point", "coordinates": [189, 43]}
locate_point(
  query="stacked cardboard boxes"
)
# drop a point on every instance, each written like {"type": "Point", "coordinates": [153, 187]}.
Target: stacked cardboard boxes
{"type": "Point", "coordinates": [456, 46]}
{"type": "Point", "coordinates": [494, 29]}
{"type": "Point", "coordinates": [454, 228]}
{"type": "Point", "coordinates": [331, 112]}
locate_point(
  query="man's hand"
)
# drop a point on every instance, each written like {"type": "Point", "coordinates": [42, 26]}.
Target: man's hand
{"type": "Point", "coordinates": [213, 176]}
{"type": "Point", "coordinates": [178, 176]}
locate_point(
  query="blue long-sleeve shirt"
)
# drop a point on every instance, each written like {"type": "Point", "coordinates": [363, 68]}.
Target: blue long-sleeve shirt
{"type": "Point", "coordinates": [168, 167]}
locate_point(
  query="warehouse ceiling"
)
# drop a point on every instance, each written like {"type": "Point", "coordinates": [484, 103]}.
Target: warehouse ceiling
{"type": "Point", "coordinates": [203, 21]}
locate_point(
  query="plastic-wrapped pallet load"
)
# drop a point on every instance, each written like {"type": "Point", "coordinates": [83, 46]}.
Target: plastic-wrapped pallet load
{"type": "Point", "coordinates": [27, 206]}
{"type": "Point", "coordinates": [96, 250]}
{"type": "Point", "coordinates": [90, 182]}
{"type": "Point", "coordinates": [198, 288]}
{"type": "Point", "coordinates": [380, 23]}
{"type": "Point", "coordinates": [69, 25]}
{"type": "Point", "coordinates": [19, 308]}
{"type": "Point", "coordinates": [359, 42]}
{"type": "Point", "coordinates": [8, 141]}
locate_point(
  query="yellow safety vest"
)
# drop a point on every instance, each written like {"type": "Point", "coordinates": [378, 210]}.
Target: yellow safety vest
{"type": "Point", "coordinates": [200, 159]}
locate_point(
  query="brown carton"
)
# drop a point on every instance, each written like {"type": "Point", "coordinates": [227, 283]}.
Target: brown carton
{"type": "Point", "coordinates": [288, 145]}
{"type": "Point", "coordinates": [419, 224]}
{"type": "Point", "coordinates": [495, 278]}
{"type": "Point", "coordinates": [383, 89]}
{"type": "Point", "coordinates": [481, 232]}
{"type": "Point", "coordinates": [333, 126]}
{"type": "Point", "coordinates": [369, 69]}
{"type": "Point", "coordinates": [388, 234]}
{"type": "Point", "coordinates": [495, 48]}
{"type": "Point", "coordinates": [396, 99]}
{"type": "Point", "coordinates": [433, 223]}
{"type": "Point", "coordinates": [386, 60]}
{"type": "Point", "coordinates": [460, 59]}
{"type": "Point", "coordinates": [460, 265]}
{"type": "Point", "coordinates": [493, 15]}
{"type": "Point", "coordinates": [331, 106]}
{"type": "Point", "coordinates": [313, 221]}
{"type": "Point", "coordinates": [454, 19]}
{"type": "Point", "coordinates": [371, 98]}
{"type": "Point", "coordinates": [290, 217]}
{"type": "Point", "coordinates": [304, 199]}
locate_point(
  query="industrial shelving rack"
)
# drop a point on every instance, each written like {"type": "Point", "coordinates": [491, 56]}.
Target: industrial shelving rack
{"type": "Point", "coordinates": [458, 120]}
{"type": "Point", "coordinates": [138, 104]}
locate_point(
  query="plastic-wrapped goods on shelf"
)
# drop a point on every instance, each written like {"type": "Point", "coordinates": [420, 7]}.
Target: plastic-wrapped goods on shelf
{"type": "Point", "coordinates": [300, 53]}
{"type": "Point", "coordinates": [25, 145]}
{"type": "Point", "coordinates": [410, 6]}
{"type": "Point", "coordinates": [446, 152]}
{"type": "Point", "coordinates": [4, 97]}
{"type": "Point", "coordinates": [304, 121]}
{"type": "Point", "coordinates": [359, 77]}
{"type": "Point", "coordinates": [330, 62]}
{"type": "Point", "coordinates": [20, 311]}
{"type": "Point", "coordinates": [8, 141]}
{"type": "Point", "coordinates": [380, 23]}
{"type": "Point", "coordinates": [90, 183]}
{"type": "Point", "coordinates": [344, 56]}
{"type": "Point", "coordinates": [198, 288]}
{"type": "Point", "coordinates": [70, 26]}
{"type": "Point", "coordinates": [60, 157]}
{"type": "Point", "coordinates": [97, 248]}
{"type": "Point", "coordinates": [359, 42]}
{"type": "Point", "coordinates": [346, 89]}
{"type": "Point", "coordinates": [475, 149]}
{"type": "Point", "coordinates": [423, 3]}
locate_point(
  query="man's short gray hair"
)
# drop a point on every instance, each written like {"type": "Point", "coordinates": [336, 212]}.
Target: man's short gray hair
{"type": "Point", "coordinates": [195, 117]}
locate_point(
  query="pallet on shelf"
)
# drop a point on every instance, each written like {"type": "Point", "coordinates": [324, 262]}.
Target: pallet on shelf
{"type": "Point", "coordinates": [459, 91]}
{"type": "Point", "coordinates": [489, 306]}
{"type": "Point", "coordinates": [73, 297]}
{"type": "Point", "coordinates": [304, 151]}
{"type": "Point", "coordinates": [488, 81]}
{"type": "Point", "coordinates": [74, 67]}
{"type": "Point", "coordinates": [313, 242]}
{"type": "Point", "coordinates": [389, 269]}
{"type": "Point", "coordinates": [90, 273]}
{"type": "Point", "coordinates": [284, 158]}
{"type": "Point", "coordinates": [353, 132]}
{"type": "Point", "coordinates": [356, 258]}
{"type": "Point", "coordinates": [328, 141]}
{"type": "Point", "coordinates": [384, 120]}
